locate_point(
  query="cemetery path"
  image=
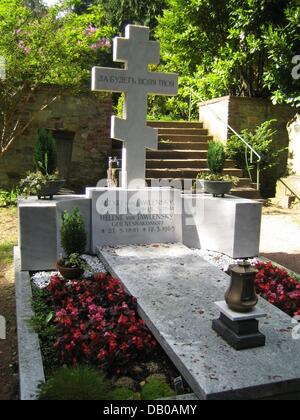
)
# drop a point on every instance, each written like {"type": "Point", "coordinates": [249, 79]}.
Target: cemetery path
{"type": "Point", "coordinates": [8, 347]}
{"type": "Point", "coordinates": [280, 237]}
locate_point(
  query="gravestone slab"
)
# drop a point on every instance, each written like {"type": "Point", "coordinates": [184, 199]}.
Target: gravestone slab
{"type": "Point", "coordinates": [137, 52]}
{"type": "Point", "coordinates": [144, 216]}
{"type": "Point", "coordinates": [176, 291]}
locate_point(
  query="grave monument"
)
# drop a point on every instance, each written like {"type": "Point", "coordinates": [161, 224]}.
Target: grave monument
{"type": "Point", "coordinates": [137, 52]}
{"type": "Point", "coordinates": [176, 288]}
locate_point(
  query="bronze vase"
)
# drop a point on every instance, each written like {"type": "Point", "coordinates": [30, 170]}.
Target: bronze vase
{"type": "Point", "coordinates": [241, 295]}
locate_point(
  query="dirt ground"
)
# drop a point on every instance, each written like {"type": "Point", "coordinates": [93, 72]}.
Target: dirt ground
{"type": "Point", "coordinates": [8, 348]}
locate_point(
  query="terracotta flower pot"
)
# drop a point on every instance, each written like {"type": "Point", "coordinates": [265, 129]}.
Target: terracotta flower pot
{"type": "Point", "coordinates": [69, 273]}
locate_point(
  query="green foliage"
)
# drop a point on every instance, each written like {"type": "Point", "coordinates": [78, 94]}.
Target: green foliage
{"type": "Point", "coordinates": [123, 394]}
{"type": "Point", "coordinates": [119, 13]}
{"type": "Point", "coordinates": [45, 153]}
{"type": "Point", "coordinates": [42, 323]}
{"type": "Point", "coordinates": [74, 261]}
{"type": "Point", "coordinates": [35, 181]}
{"type": "Point", "coordinates": [75, 383]}
{"type": "Point", "coordinates": [237, 47]}
{"type": "Point", "coordinates": [155, 389]}
{"type": "Point", "coordinates": [216, 157]}
{"type": "Point", "coordinates": [73, 233]}
{"type": "Point", "coordinates": [208, 176]}
{"type": "Point", "coordinates": [9, 198]}
{"type": "Point", "coordinates": [56, 47]}
{"type": "Point", "coordinates": [261, 139]}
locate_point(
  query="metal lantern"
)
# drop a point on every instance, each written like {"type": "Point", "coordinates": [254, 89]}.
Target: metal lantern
{"type": "Point", "coordinates": [241, 295]}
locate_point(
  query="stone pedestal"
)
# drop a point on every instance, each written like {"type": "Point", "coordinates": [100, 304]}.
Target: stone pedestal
{"type": "Point", "coordinates": [39, 229]}
{"type": "Point", "coordinates": [240, 330]}
{"type": "Point", "coordinates": [229, 225]}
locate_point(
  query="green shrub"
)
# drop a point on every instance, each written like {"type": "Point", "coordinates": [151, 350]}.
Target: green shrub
{"type": "Point", "coordinates": [73, 233]}
{"type": "Point", "coordinates": [216, 157]}
{"type": "Point", "coordinates": [155, 389]}
{"type": "Point", "coordinates": [75, 383]}
{"type": "Point", "coordinates": [272, 163]}
{"type": "Point", "coordinates": [9, 198]}
{"type": "Point", "coordinates": [123, 394]}
{"type": "Point", "coordinates": [45, 153]}
{"type": "Point", "coordinates": [261, 139]}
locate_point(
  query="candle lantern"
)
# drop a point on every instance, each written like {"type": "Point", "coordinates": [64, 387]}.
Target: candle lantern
{"type": "Point", "coordinates": [241, 295]}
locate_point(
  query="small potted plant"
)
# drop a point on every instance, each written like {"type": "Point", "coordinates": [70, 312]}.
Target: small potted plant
{"type": "Point", "coordinates": [216, 182]}
{"type": "Point", "coordinates": [44, 182]}
{"type": "Point", "coordinates": [73, 241]}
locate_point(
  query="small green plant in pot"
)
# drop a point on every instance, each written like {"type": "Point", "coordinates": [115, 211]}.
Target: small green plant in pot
{"type": "Point", "coordinates": [73, 241]}
{"type": "Point", "coordinates": [215, 182]}
{"type": "Point", "coordinates": [44, 182]}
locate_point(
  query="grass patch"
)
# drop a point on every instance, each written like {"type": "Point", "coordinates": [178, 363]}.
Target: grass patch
{"type": "Point", "coordinates": [6, 253]}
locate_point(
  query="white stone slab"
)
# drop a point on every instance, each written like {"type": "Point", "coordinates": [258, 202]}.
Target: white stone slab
{"type": "Point", "coordinates": [118, 220]}
{"type": "Point", "coordinates": [229, 225]}
{"type": "Point", "coordinates": [39, 229]}
{"type": "Point", "coordinates": [176, 296]}
{"type": "Point", "coordinates": [256, 313]}
{"type": "Point", "coordinates": [137, 52]}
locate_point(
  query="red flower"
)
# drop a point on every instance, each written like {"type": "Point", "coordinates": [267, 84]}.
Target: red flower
{"type": "Point", "coordinates": [102, 354]}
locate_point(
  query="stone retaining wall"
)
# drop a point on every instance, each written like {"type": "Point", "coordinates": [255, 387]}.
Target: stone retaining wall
{"type": "Point", "coordinates": [82, 118]}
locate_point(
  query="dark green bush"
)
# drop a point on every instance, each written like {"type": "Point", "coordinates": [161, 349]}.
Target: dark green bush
{"type": "Point", "coordinates": [216, 157]}
{"type": "Point", "coordinates": [73, 233]}
{"type": "Point", "coordinates": [45, 153]}
{"type": "Point", "coordinates": [75, 383]}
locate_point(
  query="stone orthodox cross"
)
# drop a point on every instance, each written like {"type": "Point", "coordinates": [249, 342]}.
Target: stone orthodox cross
{"type": "Point", "coordinates": [137, 82]}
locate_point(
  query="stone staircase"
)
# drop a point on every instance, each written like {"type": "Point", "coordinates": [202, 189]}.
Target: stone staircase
{"type": "Point", "coordinates": [182, 154]}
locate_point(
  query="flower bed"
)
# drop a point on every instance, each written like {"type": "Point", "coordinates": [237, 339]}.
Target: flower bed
{"type": "Point", "coordinates": [278, 287]}
{"type": "Point", "coordinates": [94, 322]}
{"type": "Point", "coordinates": [273, 283]}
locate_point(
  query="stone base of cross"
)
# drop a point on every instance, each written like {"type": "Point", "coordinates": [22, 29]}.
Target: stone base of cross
{"type": "Point", "coordinates": [137, 52]}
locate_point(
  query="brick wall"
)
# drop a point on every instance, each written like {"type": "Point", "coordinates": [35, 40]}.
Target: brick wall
{"type": "Point", "coordinates": [86, 115]}
{"type": "Point", "coordinates": [241, 113]}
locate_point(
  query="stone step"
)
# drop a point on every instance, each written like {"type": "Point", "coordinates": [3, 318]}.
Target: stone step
{"type": "Point", "coordinates": [183, 131]}
{"type": "Point", "coordinates": [175, 138]}
{"type": "Point", "coordinates": [182, 163]}
{"type": "Point", "coordinates": [176, 154]}
{"type": "Point", "coordinates": [243, 192]}
{"type": "Point", "coordinates": [190, 173]}
{"type": "Point", "coordinates": [175, 124]}
{"type": "Point", "coordinates": [200, 145]}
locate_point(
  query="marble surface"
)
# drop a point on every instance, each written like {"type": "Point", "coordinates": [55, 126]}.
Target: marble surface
{"type": "Point", "coordinates": [137, 52]}
{"type": "Point", "coordinates": [256, 313]}
{"type": "Point", "coordinates": [39, 229]}
{"type": "Point", "coordinates": [142, 216]}
{"type": "Point", "coordinates": [31, 371]}
{"type": "Point", "coordinates": [229, 225]}
{"type": "Point", "coordinates": [176, 296]}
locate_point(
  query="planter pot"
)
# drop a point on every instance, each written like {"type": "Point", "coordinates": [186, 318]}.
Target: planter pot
{"type": "Point", "coordinates": [50, 189]}
{"type": "Point", "coordinates": [216, 188]}
{"type": "Point", "coordinates": [69, 273]}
